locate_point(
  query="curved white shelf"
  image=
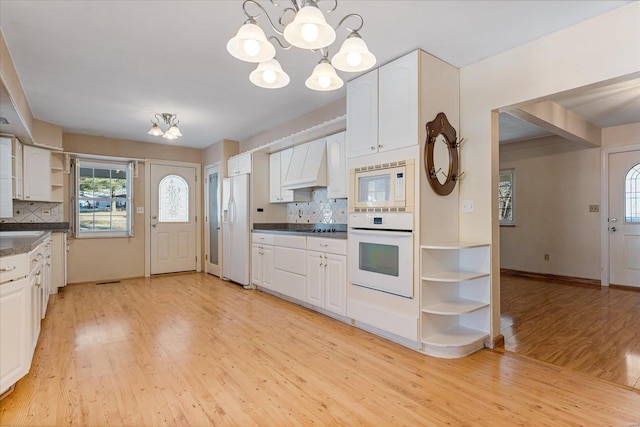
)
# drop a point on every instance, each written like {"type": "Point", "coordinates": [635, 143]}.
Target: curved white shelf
{"type": "Point", "coordinates": [459, 306]}
{"type": "Point", "coordinates": [454, 276]}
{"type": "Point", "coordinates": [457, 336]}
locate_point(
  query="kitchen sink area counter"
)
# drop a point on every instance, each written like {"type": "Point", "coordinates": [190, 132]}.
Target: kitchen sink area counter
{"type": "Point", "coordinates": [19, 242]}
{"type": "Point", "coordinates": [328, 231]}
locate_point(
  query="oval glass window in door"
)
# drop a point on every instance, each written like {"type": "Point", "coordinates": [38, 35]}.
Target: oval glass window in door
{"type": "Point", "coordinates": [173, 199]}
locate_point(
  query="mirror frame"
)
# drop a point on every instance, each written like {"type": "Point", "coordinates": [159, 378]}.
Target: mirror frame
{"type": "Point", "coordinates": [441, 126]}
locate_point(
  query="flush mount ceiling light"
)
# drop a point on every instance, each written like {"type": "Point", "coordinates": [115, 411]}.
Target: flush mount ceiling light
{"type": "Point", "coordinates": [302, 25]}
{"type": "Point", "coordinates": [171, 120]}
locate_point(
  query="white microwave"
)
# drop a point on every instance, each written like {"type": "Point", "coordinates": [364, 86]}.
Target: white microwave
{"type": "Point", "coordinates": [383, 187]}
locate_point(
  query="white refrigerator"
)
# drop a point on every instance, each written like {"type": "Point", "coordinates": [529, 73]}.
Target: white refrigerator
{"type": "Point", "coordinates": [236, 244]}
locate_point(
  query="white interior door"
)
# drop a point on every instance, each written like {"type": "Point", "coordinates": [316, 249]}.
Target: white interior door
{"type": "Point", "coordinates": [213, 235]}
{"type": "Point", "coordinates": [173, 218]}
{"type": "Point", "coordinates": [624, 218]}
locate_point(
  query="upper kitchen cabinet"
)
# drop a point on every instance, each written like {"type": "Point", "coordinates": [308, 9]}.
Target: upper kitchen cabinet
{"type": "Point", "coordinates": [383, 108]}
{"type": "Point", "coordinates": [6, 203]}
{"type": "Point", "coordinates": [57, 176]}
{"type": "Point", "coordinates": [278, 166]}
{"type": "Point", "coordinates": [36, 163]}
{"type": "Point", "coordinates": [16, 169]}
{"type": "Point", "coordinates": [237, 165]}
{"type": "Point", "coordinates": [336, 167]}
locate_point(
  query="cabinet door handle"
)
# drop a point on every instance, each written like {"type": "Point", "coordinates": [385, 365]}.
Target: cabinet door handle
{"type": "Point", "coordinates": [10, 268]}
{"type": "Point", "coordinates": [373, 148]}
{"type": "Point", "coordinates": [380, 146]}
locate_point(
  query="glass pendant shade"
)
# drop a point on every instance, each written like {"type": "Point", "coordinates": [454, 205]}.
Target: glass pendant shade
{"type": "Point", "coordinates": [173, 132]}
{"type": "Point", "coordinates": [309, 29]}
{"type": "Point", "coordinates": [155, 130]}
{"type": "Point", "coordinates": [251, 45]}
{"type": "Point", "coordinates": [353, 55]}
{"type": "Point", "coordinates": [269, 74]}
{"type": "Point", "coordinates": [324, 78]}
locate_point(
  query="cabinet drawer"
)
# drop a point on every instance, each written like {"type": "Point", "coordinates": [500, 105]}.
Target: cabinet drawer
{"type": "Point", "coordinates": [333, 246]}
{"type": "Point", "coordinates": [265, 239]}
{"type": "Point", "coordinates": [297, 242]}
{"type": "Point", "coordinates": [289, 284]}
{"type": "Point", "coordinates": [13, 266]}
{"type": "Point", "coordinates": [291, 260]}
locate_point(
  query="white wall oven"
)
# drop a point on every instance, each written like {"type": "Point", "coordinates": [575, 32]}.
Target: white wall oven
{"type": "Point", "coordinates": [386, 186]}
{"type": "Point", "coordinates": [381, 252]}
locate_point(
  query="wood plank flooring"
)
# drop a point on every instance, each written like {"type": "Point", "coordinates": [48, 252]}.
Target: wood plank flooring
{"type": "Point", "coordinates": [191, 350]}
{"type": "Point", "coordinates": [585, 328]}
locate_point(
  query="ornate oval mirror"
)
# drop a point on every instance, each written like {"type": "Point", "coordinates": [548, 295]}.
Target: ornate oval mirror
{"type": "Point", "coordinates": [441, 155]}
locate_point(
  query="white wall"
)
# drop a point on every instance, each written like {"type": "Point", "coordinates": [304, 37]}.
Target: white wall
{"type": "Point", "coordinates": [601, 49]}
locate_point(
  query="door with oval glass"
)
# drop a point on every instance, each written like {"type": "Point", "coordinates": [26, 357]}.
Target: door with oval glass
{"type": "Point", "coordinates": [624, 218]}
{"type": "Point", "coordinates": [173, 218]}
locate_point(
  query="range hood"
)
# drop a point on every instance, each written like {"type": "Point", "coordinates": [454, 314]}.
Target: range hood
{"type": "Point", "coordinates": [308, 166]}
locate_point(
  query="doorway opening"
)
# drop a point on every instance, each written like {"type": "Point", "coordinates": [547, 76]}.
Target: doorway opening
{"type": "Point", "coordinates": [555, 303]}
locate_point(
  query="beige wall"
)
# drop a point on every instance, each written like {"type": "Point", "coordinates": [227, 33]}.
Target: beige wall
{"type": "Point", "coordinates": [116, 258]}
{"type": "Point", "coordinates": [597, 50]}
{"type": "Point", "coordinates": [220, 152]}
{"type": "Point", "coordinates": [324, 114]}
{"type": "Point", "coordinates": [45, 133]}
{"type": "Point", "coordinates": [552, 208]}
{"type": "Point", "coordinates": [555, 182]}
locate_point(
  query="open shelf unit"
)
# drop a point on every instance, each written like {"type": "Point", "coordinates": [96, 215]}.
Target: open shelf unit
{"type": "Point", "coordinates": [455, 298]}
{"type": "Point", "coordinates": [57, 176]}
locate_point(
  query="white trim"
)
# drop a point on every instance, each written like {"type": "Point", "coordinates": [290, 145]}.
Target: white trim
{"type": "Point", "coordinates": [604, 207]}
{"type": "Point", "coordinates": [147, 205]}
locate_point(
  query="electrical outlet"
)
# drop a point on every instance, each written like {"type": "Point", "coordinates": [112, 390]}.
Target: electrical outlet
{"type": "Point", "coordinates": [468, 206]}
{"type": "Point", "coordinates": [546, 257]}
{"type": "Point", "coordinates": [594, 208]}
{"type": "Point", "coordinates": [45, 212]}
{"type": "Point", "coordinates": [139, 210]}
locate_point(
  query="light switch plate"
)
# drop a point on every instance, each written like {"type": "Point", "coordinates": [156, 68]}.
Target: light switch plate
{"type": "Point", "coordinates": [468, 206]}
{"type": "Point", "coordinates": [139, 210]}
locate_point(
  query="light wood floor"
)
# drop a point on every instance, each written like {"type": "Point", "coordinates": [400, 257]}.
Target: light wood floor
{"type": "Point", "coordinates": [585, 328]}
{"type": "Point", "coordinates": [192, 350]}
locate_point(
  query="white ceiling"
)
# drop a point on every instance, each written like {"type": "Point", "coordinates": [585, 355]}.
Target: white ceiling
{"type": "Point", "coordinates": [106, 67]}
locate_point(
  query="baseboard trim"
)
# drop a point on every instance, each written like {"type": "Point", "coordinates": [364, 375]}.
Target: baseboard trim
{"type": "Point", "coordinates": [551, 277]}
{"type": "Point", "coordinates": [498, 341]}
{"type": "Point", "coordinates": [624, 287]}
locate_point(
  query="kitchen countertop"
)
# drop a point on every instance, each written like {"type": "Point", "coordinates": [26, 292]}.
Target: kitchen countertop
{"type": "Point", "coordinates": [19, 242]}
{"type": "Point", "coordinates": [334, 231]}
{"type": "Point", "coordinates": [31, 226]}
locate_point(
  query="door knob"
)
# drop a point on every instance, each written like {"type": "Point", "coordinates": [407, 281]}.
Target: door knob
{"type": "Point", "coordinates": [613, 229]}
{"type": "Point", "coordinates": [614, 220]}
{"type": "Point", "coordinates": [154, 217]}
{"type": "Point", "coordinates": [153, 225]}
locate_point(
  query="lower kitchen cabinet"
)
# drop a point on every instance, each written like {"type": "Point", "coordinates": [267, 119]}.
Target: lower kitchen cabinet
{"type": "Point", "coordinates": [15, 331]}
{"type": "Point", "coordinates": [327, 274]}
{"type": "Point", "coordinates": [327, 281]}
{"type": "Point", "coordinates": [262, 265]}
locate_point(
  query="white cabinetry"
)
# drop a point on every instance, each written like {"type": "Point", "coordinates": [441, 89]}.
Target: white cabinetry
{"type": "Point", "coordinates": [36, 173]}
{"type": "Point", "coordinates": [59, 261]}
{"type": "Point", "coordinates": [239, 164]}
{"type": "Point", "coordinates": [327, 274]}
{"type": "Point", "coordinates": [16, 169]}
{"type": "Point", "coordinates": [57, 176]}
{"type": "Point", "coordinates": [336, 167]}
{"type": "Point", "coordinates": [383, 108]}
{"type": "Point", "coordinates": [455, 298]}
{"type": "Point", "coordinates": [262, 260]}
{"type": "Point", "coordinates": [15, 308]}
{"type": "Point", "coordinates": [278, 166]}
{"type": "Point", "coordinates": [6, 201]}
{"type": "Point", "coordinates": [289, 260]}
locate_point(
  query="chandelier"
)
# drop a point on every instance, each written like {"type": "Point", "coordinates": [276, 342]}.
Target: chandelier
{"type": "Point", "coordinates": [307, 30]}
{"type": "Point", "coordinates": [171, 120]}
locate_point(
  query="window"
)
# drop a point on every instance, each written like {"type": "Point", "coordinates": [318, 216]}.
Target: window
{"type": "Point", "coordinates": [632, 195]}
{"type": "Point", "coordinates": [103, 194]}
{"type": "Point", "coordinates": [173, 199]}
{"type": "Point", "coordinates": [506, 203]}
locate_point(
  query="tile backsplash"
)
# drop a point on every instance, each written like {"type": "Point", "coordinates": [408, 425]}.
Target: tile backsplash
{"type": "Point", "coordinates": [36, 212]}
{"type": "Point", "coordinates": [320, 210]}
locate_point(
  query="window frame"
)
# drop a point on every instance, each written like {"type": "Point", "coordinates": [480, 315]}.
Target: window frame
{"type": "Point", "coordinates": [511, 172]}
{"type": "Point", "coordinates": [631, 193]}
{"type": "Point", "coordinates": [88, 162]}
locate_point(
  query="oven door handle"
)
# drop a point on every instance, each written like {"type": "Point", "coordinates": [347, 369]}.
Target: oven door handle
{"type": "Point", "coordinates": [370, 232]}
